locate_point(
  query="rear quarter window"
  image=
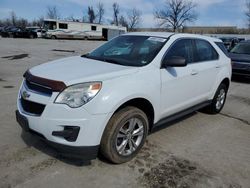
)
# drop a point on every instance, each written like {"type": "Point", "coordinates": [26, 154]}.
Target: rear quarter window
{"type": "Point", "coordinates": [222, 47]}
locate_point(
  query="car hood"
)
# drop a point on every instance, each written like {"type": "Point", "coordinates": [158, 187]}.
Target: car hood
{"type": "Point", "coordinates": [78, 69]}
{"type": "Point", "coordinates": [240, 57]}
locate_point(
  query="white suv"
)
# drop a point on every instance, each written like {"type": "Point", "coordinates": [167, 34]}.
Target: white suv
{"type": "Point", "coordinates": [110, 99]}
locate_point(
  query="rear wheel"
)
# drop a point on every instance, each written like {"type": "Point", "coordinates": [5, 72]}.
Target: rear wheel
{"type": "Point", "coordinates": [218, 100]}
{"type": "Point", "coordinates": [124, 135]}
{"type": "Point", "coordinates": [53, 37]}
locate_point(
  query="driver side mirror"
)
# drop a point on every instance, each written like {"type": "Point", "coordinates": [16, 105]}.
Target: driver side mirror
{"type": "Point", "coordinates": [174, 61]}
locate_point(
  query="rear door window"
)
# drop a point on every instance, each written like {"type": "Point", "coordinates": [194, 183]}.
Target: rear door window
{"type": "Point", "coordinates": [204, 51]}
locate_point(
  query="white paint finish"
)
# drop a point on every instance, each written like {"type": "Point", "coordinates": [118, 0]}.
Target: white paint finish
{"type": "Point", "coordinates": [77, 69]}
{"type": "Point", "coordinates": [168, 90]}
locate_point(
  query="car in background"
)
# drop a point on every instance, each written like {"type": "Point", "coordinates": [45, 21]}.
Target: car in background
{"type": "Point", "coordinates": [41, 33]}
{"type": "Point", "coordinates": [1, 28]}
{"type": "Point", "coordinates": [18, 32]}
{"type": "Point", "coordinates": [229, 42]}
{"type": "Point", "coordinates": [5, 31]}
{"type": "Point", "coordinates": [240, 56]}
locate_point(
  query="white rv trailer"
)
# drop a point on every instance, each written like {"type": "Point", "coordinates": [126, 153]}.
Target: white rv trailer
{"type": "Point", "coordinates": [79, 30]}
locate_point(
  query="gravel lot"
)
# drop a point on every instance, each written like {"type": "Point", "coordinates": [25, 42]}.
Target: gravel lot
{"type": "Point", "coordinates": [197, 151]}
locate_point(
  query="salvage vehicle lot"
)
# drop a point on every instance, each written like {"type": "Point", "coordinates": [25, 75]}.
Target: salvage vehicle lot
{"type": "Point", "coordinates": [199, 150]}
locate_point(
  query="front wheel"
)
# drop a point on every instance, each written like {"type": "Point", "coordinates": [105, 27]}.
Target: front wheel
{"type": "Point", "coordinates": [31, 36]}
{"type": "Point", "coordinates": [218, 100]}
{"type": "Point", "coordinates": [124, 135]}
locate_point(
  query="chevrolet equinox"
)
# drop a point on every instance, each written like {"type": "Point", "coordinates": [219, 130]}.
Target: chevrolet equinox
{"type": "Point", "coordinates": [108, 100]}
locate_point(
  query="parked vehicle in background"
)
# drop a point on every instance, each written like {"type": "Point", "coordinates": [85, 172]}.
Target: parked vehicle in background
{"type": "Point", "coordinates": [240, 56]}
{"type": "Point", "coordinates": [41, 33]}
{"type": "Point", "coordinates": [18, 32]}
{"type": "Point", "coordinates": [229, 42]}
{"type": "Point", "coordinates": [5, 30]}
{"type": "Point", "coordinates": [241, 39]}
{"type": "Point", "coordinates": [60, 29]}
{"type": "Point", "coordinates": [110, 99]}
{"type": "Point", "coordinates": [1, 29]}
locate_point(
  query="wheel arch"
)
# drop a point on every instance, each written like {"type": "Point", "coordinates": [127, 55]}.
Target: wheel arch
{"type": "Point", "coordinates": [143, 104]}
{"type": "Point", "coordinates": [226, 81]}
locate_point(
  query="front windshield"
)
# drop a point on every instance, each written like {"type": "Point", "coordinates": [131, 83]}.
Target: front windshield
{"type": "Point", "coordinates": [241, 48]}
{"type": "Point", "coordinates": [129, 50]}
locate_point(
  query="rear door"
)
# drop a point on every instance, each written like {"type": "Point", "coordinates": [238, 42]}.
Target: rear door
{"type": "Point", "coordinates": [205, 68]}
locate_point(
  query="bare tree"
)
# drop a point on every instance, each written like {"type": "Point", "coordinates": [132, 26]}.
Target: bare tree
{"type": "Point", "coordinates": [116, 11]}
{"type": "Point", "coordinates": [123, 22]}
{"type": "Point", "coordinates": [100, 12]}
{"type": "Point", "coordinates": [176, 14]}
{"type": "Point", "coordinates": [91, 14]}
{"type": "Point", "coordinates": [134, 18]}
{"type": "Point", "coordinates": [52, 12]}
{"type": "Point", "coordinates": [37, 22]}
{"type": "Point", "coordinates": [248, 12]}
{"type": "Point", "coordinates": [13, 18]}
{"type": "Point", "coordinates": [23, 23]}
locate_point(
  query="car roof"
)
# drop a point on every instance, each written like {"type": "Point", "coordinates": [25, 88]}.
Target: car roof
{"type": "Point", "coordinates": [169, 34]}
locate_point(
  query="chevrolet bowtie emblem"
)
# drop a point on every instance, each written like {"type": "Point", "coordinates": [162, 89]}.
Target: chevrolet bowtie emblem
{"type": "Point", "coordinates": [25, 94]}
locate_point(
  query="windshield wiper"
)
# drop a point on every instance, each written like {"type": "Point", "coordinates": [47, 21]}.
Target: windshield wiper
{"type": "Point", "coordinates": [108, 60]}
{"type": "Point", "coordinates": [112, 61]}
{"type": "Point", "coordinates": [91, 57]}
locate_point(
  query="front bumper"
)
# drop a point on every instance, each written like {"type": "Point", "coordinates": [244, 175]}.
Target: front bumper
{"type": "Point", "coordinates": [81, 152]}
{"type": "Point", "coordinates": [74, 130]}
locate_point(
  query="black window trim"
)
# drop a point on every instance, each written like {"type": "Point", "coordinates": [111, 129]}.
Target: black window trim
{"type": "Point", "coordinates": [193, 50]}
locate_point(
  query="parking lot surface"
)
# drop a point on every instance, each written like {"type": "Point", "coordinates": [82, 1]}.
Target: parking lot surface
{"type": "Point", "coordinates": [199, 150]}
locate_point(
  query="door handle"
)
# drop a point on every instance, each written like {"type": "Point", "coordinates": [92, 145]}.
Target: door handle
{"type": "Point", "coordinates": [194, 72]}
{"type": "Point", "coordinates": [217, 66]}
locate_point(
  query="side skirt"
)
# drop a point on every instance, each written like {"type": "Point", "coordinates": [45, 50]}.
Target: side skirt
{"type": "Point", "coordinates": [181, 114]}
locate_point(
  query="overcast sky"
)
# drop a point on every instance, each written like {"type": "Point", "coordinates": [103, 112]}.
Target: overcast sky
{"type": "Point", "coordinates": [210, 12]}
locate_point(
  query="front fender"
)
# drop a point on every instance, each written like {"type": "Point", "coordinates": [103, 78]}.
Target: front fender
{"type": "Point", "coordinates": [118, 91]}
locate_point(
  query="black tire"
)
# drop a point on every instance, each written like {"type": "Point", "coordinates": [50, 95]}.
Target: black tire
{"type": "Point", "coordinates": [213, 108]}
{"type": "Point", "coordinates": [11, 35]}
{"type": "Point", "coordinates": [32, 36]}
{"type": "Point", "coordinates": [108, 147]}
{"type": "Point", "coordinates": [53, 37]}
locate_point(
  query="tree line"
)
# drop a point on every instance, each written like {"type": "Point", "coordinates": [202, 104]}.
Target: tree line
{"type": "Point", "coordinates": [94, 15]}
{"type": "Point", "coordinates": [173, 15]}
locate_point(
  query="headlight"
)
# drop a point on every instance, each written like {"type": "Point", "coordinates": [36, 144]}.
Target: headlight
{"type": "Point", "coordinates": [77, 95]}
